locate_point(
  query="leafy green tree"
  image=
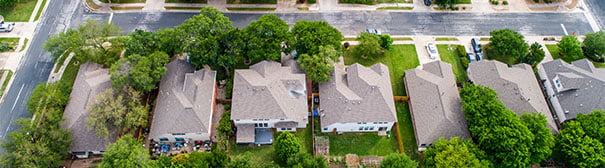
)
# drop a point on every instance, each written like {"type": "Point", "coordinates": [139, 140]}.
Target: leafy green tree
{"type": "Point", "coordinates": [445, 3]}
{"type": "Point", "coordinates": [126, 152]}
{"type": "Point", "coordinates": [509, 43]}
{"type": "Point", "coordinates": [497, 130]}
{"type": "Point", "coordinates": [309, 35]}
{"type": "Point", "coordinates": [398, 161]}
{"type": "Point", "coordinates": [119, 110]}
{"type": "Point", "coordinates": [594, 46]}
{"type": "Point", "coordinates": [140, 72]}
{"type": "Point", "coordinates": [286, 146]}
{"type": "Point", "coordinates": [570, 49]}
{"type": "Point", "coordinates": [89, 42]}
{"type": "Point", "coordinates": [535, 55]}
{"type": "Point", "coordinates": [267, 38]}
{"type": "Point", "coordinates": [242, 161]}
{"type": "Point", "coordinates": [593, 124]}
{"type": "Point", "coordinates": [575, 147]}
{"type": "Point", "coordinates": [543, 141]}
{"type": "Point", "coordinates": [319, 66]}
{"type": "Point", "coordinates": [305, 160]}
{"type": "Point", "coordinates": [140, 42]}
{"type": "Point", "coordinates": [455, 153]}
{"type": "Point", "coordinates": [232, 47]}
{"type": "Point", "coordinates": [386, 41]}
{"type": "Point", "coordinates": [6, 4]}
{"type": "Point", "coordinates": [169, 41]}
{"type": "Point", "coordinates": [369, 46]}
{"type": "Point", "coordinates": [48, 95]}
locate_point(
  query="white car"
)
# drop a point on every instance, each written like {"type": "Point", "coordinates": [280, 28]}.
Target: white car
{"type": "Point", "coordinates": [430, 47]}
{"type": "Point", "coordinates": [5, 27]}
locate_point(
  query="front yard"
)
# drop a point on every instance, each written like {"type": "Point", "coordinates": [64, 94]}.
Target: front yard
{"type": "Point", "coordinates": [553, 49]}
{"type": "Point", "coordinates": [20, 12]}
{"type": "Point", "coordinates": [448, 54]}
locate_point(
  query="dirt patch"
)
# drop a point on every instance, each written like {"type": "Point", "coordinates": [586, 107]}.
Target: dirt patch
{"type": "Point", "coordinates": [83, 163]}
{"type": "Point", "coordinates": [573, 4]}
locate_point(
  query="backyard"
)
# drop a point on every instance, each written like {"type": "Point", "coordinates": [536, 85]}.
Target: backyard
{"type": "Point", "coordinates": [362, 144]}
{"type": "Point", "coordinates": [448, 54]}
{"type": "Point", "coordinates": [553, 49]}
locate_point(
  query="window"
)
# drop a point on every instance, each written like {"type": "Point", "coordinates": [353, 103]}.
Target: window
{"type": "Point", "coordinates": [236, 119]}
{"type": "Point", "coordinates": [281, 119]}
{"type": "Point", "coordinates": [371, 128]}
{"type": "Point", "coordinates": [365, 128]}
{"type": "Point", "coordinates": [365, 123]}
{"type": "Point", "coordinates": [359, 123]}
{"type": "Point", "coordinates": [376, 123]}
{"type": "Point", "coordinates": [266, 119]}
{"type": "Point", "coordinates": [283, 129]}
{"type": "Point", "coordinates": [361, 128]}
{"type": "Point", "coordinates": [163, 139]}
{"type": "Point", "coordinates": [265, 125]}
{"type": "Point", "coordinates": [178, 133]}
{"type": "Point", "coordinates": [256, 125]}
{"type": "Point", "coordinates": [289, 129]}
{"type": "Point", "coordinates": [325, 128]}
{"type": "Point", "coordinates": [254, 119]}
{"type": "Point", "coordinates": [179, 139]}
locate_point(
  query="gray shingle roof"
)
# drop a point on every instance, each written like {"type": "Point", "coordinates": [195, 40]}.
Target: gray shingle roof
{"type": "Point", "coordinates": [435, 103]}
{"type": "Point", "coordinates": [582, 87]}
{"type": "Point", "coordinates": [517, 87]}
{"type": "Point", "coordinates": [245, 133]}
{"type": "Point", "coordinates": [269, 91]}
{"type": "Point", "coordinates": [185, 102]}
{"type": "Point", "coordinates": [92, 80]}
{"type": "Point", "coordinates": [357, 94]}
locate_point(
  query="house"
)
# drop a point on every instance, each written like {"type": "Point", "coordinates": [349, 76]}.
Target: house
{"type": "Point", "coordinates": [517, 87]}
{"type": "Point", "coordinates": [268, 95]}
{"type": "Point", "coordinates": [357, 99]}
{"type": "Point", "coordinates": [92, 80]}
{"type": "Point", "coordinates": [185, 104]}
{"type": "Point", "coordinates": [435, 103]}
{"type": "Point", "coordinates": [573, 88]}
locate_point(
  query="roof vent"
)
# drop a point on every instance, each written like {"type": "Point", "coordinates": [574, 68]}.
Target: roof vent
{"type": "Point", "coordinates": [566, 111]}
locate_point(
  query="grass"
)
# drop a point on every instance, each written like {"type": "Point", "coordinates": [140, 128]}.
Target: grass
{"type": "Point", "coordinates": [371, 2]}
{"type": "Point", "coordinates": [484, 39]}
{"type": "Point", "coordinates": [251, 9]}
{"type": "Point", "coordinates": [24, 44]}
{"type": "Point", "coordinates": [395, 8]}
{"type": "Point", "coordinates": [187, 1]}
{"type": "Point", "coordinates": [12, 42]}
{"type": "Point", "coordinates": [92, 4]}
{"type": "Point", "coordinates": [398, 59]}
{"type": "Point", "coordinates": [251, 1]}
{"type": "Point", "coordinates": [183, 8]}
{"type": "Point", "coordinates": [553, 49]}
{"type": "Point", "coordinates": [127, 8]}
{"type": "Point", "coordinates": [71, 71]}
{"type": "Point", "coordinates": [462, 1]}
{"type": "Point", "coordinates": [303, 8]}
{"type": "Point", "coordinates": [20, 12]}
{"type": "Point", "coordinates": [362, 144]}
{"type": "Point", "coordinates": [350, 39]}
{"type": "Point", "coordinates": [40, 10]}
{"type": "Point", "coordinates": [448, 54]}
{"type": "Point", "coordinates": [5, 83]}
{"type": "Point", "coordinates": [446, 39]}
{"type": "Point", "coordinates": [599, 64]}
{"type": "Point", "coordinates": [406, 129]}
{"type": "Point", "coordinates": [259, 154]}
{"type": "Point", "coordinates": [402, 39]}
{"type": "Point", "coordinates": [123, 1]}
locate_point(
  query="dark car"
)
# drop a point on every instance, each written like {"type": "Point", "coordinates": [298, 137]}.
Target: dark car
{"type": "Point", "coordinates": [428, 2]}
{"type": "Point", "coordinates": [476, 45]}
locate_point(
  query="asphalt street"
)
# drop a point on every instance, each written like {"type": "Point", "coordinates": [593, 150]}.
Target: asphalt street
{"type": "Point", "coordinates": [395, 23]}
{"type": "Point", "coordinates": [597, 7]}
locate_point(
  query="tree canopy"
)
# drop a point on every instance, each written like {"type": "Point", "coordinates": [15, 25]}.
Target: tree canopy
{"type": "Point", "coordinates": [286, 146]}
{"type": "Point", "coordinates": [594, 46]}
{"type": "Point", "coordinates": [319, 66]}
{"type": "Point", "coordinates": [117, 110]}
{"type": "Point", "coordinates": [577, 147]}
{"type": "Point", "coordinates": [543, 140]}
{"type": "Point", "coordinates": [508, 44]}
{"type": "Point", "coordinates": [267, 38]}
{"type": "Point", "coordinates": [398, 161]}
{"type": "Point", "coordinates": [535, 55]}
{"type": "Point", "coordinates": [309, 35]}
{"type": "Point", "coordinates": [369, 46]}
{"type": "Point", "coordinates": [455, 153]}
{"type": "Point", "coordinates": [126, 152]}
{"type": "Point", "coordinates": [570, 49]}
{"type": "Point", "coordinates": [140, 72]}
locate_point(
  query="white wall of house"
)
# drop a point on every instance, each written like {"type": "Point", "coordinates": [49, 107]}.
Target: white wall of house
{"type": "Point", "coordinates": [270, 123]}
{"type": "Point", "coordinates": [359, 127]}
{"type": "Point", "coordinates": [175, 137]}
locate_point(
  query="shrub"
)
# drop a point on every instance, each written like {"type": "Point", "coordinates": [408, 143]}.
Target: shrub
{"type": "Point", "coordinates": [547, 1]}
{"type": "Point", "coordinates": [536, 1]}
{"type": "Point", "coordinates": [461, 51]}
{"type": "Point", "coordinates": [495, 2]}
{"type": "Point", "coordinates": [312, 1]}
{"type": "Point", "coordinates": [504, 2]}
{"type": "Point", "coordinates": [386, 41]}
{"type": "Point", "coordinates": [464, 8]}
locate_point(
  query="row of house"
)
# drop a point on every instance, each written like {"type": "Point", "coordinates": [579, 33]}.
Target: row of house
{"type": "Point", "coordinates": [435, 103]}
{"type": "Point", "coordinates": [267, 95]}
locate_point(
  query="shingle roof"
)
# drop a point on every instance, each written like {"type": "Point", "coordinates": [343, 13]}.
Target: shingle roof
{"type": "Point", "coordinates": [92, 80]}
{"type": "Point", "coordinates": [583, 86]}
{"type": "Point", "coordinates": [269, 91]}
{"type": "Point", "coordinates": [435, 103]}
{"type": "Point", "coordinates": [185, 100]}
{"type": "Point", "coordinates": [357, 94]}
{"type": "Point", "coordinates": [517, 87]}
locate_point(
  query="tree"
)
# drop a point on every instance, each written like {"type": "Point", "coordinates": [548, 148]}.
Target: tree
{"type": "Point", "coordinates": [445, 3]}
{"type": "Point", "coordinates": [455, 153]}
{"type": "Point", "coordinates": [543, 141]}
{"type": "Point", "coordinates": [286, 146]}
{"type": "Point", "coordinates": [319, 66]}
{"type": "Point", "coordinates": [575, 147]}
{"type": "Point", "coordinates": [508, 43]}
{"type": "Point", "coordinates": [89, 42]}
{"type": "Point", "coordinates": [48, 95]}
{"type": "Point", "coordinates": [309, 35]}
{"type": "Point", "coordinates": [305, 160]}
{"type": "Point", "coordinates": [232, 47]}
{"type": "Point", "coordinates": [535, 55]}
{"type": "Point", "coordinates": [140, 72]}
{"type": "Point", "coordinates": [267, 38]}
{"type": "Point", "coordinates": [593, 124]}
{"type": "Point", "coordinates": [570, 49]}
{"type": "Point", "coordinates": [398, 161]}
{"type": "Point", "coordinates": [119, 110]}
{"type": "Point", "coordinates": [369, 46]}
{"type": "Point", "coordinates": [242, 161]}
{"type": "Point", "coordinates": [140, 42]}
{"type": "Point", "coordinates": [5, 4]}
{"type": "Point", "coordinates": [386, 41]}
{"type": "Point", "coordinates": [594, 46]}
{"type": "Point", "coordinates": [126, 152]}
{"type": "Point", "coordinates": [497, 130]}
{"type": "Point", "coordinates": [169, 41]}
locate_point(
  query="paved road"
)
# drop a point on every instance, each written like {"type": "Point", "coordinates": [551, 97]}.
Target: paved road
{"type": "Point", "coordinates": [597, 7]}
{"type": "Point", "coordinates": [399, 23]}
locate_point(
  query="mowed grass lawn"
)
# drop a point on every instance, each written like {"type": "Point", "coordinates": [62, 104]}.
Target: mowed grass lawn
{"type": "Point", "coordinates": [266, 153]}
{"type": "Point", "coordinates": [362, 144]}
{"type": "Point", "coordinates": [20, 13]}
{"type": "Point", "coordinates": [448, 54]}
{"type": "Point", "coordinates": [553, 49]}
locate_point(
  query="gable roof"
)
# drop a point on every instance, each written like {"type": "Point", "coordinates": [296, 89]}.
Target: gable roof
{"type": "Point", "coordinates": [269, 91]}
{"type": "Point", "coordinates": [92, 80]}
{"type": "Point", "coordinates": [582, 86]}
{"type": "Point", "coordinates": [435, 103]}
{"type": "Point", "coordinates": [185, 101]}
{"type": "Point", "coordinates": [357, 94]}
{"type": "Point", "coordinates": [517, 87]}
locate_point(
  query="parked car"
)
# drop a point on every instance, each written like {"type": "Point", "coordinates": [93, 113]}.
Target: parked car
{"type": "Point", "coordinates": [477, 48]}
{"type": "Point", "coordinates": [4, 27]}
{"type": "Point", "coordinates": [428, 2]}
{"type": "Point", "coordinates": [470, 55]}
{"type": "Point", "coordinates": [432, 50]}
{"type": "Point", "coordinates": [374, 31]}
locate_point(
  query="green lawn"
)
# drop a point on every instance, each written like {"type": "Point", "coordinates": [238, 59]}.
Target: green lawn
{"type": "Point", "coordinates": [40, 10]}
{"type": "Point", "coordinates": [12, 42]}
{"type": "Point", "coordinates": [406, 130]}
{"type": "Point", "coordinates": [554, 51]}
{"type": "Point", "coordinates": [448, 54]}
{"type": "Point", "coordinates": [20, 13]}
{"type": "Point", "coordinates": [259, 154]}
{"type": "Point", "coordinates": [251, 1]}
{"type": "Point", "coordinates": [484, 39]}
{"type": "Point", "coordinates": [24, 44]}
{"type": "Point", "coordinates": [395, 8]}
{"type": "Point", "coordinates": [71, 71]}
{"type": "Point", "coordinates": [462, 1]}
{"type": "Point", "coordinates": [362, 144]}
{"type": "Point", "coordinates": [183, 8]}
{"type": "Point", "coordinates": [123, 1]}
{"type": "Point", "coordinates": [398, 59]}
{"type": "Point", "coordinates": [187, 1]}
{"type": "Point", "coordinates": [251, 9]}
{"type": "Point", "coordinates": [446, 39]}
{"type": "Point", "coordinates": [402, 39]}
{"type": "Point", "coordinates": [371, 2]}
{"type": "Point", "coordinates": [5, 83]}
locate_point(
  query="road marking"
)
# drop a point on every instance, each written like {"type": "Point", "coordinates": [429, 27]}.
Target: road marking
{"type": "Point", "coordinates": [7, 128]}
{"type": "Point", "coordinates": [110, 17]}
{"type": "Point", "coordinates": [564, 30]}
{"type": "Point", "coordinates": [17, 99]}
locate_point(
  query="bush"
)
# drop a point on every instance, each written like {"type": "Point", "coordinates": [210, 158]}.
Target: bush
{"type": "Point", "coordinates": [229, 88]}
{"type": "Point", "coordinates": [495, 2]}
{"type": "Point", "coordinates": [386, 41]}
{"type": "Point", "coordinates": [4, 4]}
{"type": "Point", "coordinates": [312, 1]}
{"type": "Point", "coordinates": [461, 51]}
{"type": "Point", "coordinates": [547, 1]}
{"type": "Point", "coordinates": [464, 62]}
{"type": "Point", "coordinates": [504, 2]}
{"type": "Point", "coordinates": [464, 8]}
{"type": "Point", "coordinates": [536, 1]}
